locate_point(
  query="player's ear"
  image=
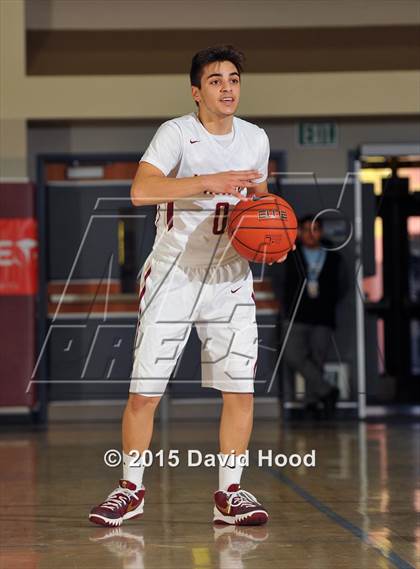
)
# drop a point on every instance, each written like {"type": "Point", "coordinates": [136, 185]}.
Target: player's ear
{"type": "Point", "coordinates": [195, 91]}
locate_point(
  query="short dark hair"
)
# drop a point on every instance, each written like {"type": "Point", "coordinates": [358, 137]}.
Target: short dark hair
{"type": "Point", "coordinates": [310, 217]}
{"type": "Point", "coordinates": [212, 54]}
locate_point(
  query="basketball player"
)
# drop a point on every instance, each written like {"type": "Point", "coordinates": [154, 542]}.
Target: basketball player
{"type": "Point", "coordinates": [195, 169]}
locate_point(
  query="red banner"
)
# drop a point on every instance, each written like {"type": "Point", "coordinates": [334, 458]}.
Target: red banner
{"type": "Point", "coordinates": [18, 256]}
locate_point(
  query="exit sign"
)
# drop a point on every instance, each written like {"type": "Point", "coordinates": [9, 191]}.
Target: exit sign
{"type": "Point", "coordinates": [317, 134]}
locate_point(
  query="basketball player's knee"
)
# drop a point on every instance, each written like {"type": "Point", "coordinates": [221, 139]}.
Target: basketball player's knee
{"type": "Point", "coordinates": [241, 402]}
{"type": "Point", "coordinates": [139, 403]}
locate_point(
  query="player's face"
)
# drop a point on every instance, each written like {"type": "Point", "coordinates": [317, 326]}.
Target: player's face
{"type": "Point", "coordinates": [220, 89]}
{"type": "Point", "coordinates": [310, 235]}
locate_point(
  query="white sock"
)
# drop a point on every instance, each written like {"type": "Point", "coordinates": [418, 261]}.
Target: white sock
{"type": "Point", "coordinates": [133, 474]}
{"type": "Point", "coordinates": [232, 472]}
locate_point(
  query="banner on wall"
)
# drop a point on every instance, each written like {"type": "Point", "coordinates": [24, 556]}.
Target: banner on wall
{"type": "Point", "coordinates": [18, 256]}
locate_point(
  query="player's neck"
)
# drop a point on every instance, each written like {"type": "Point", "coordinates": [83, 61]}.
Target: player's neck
{"type": "Point", "coordinates": [214, 124]}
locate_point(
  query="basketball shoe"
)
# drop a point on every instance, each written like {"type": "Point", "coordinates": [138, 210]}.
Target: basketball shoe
{"type": "Point", "coordinates": [124, 503]}
{"type": "Point", "coordinates": [238, 507]}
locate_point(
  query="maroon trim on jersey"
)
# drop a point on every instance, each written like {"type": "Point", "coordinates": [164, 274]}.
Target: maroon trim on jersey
{"type": "Point", "coordinates": [253, 296]}
{"type": "Point", "coordinates": [170, 215]}
{"type": "Point", "coordinates": [141, 294]}
{"type": "Point", "coordinates": [143, 288]}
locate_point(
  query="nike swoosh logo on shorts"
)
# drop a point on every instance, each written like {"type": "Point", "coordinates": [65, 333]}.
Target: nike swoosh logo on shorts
{"type": "Point", "coordinates": [193, 141]}
{"type": "Point", "coordinates": [236, 290]}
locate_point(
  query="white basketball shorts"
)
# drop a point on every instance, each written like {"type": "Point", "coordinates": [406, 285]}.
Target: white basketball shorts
{"type": "Point", "coordinates": [219, 301]}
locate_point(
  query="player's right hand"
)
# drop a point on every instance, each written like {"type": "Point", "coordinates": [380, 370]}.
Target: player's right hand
{"type": "Point", "coordinates": [229, 183]}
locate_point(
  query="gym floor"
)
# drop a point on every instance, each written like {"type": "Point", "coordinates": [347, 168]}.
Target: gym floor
{"type": "Point", "coordinates": [357, 508]}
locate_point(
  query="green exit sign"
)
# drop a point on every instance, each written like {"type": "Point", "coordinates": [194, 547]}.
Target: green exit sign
{"type": "Point", "coordinates": [318, 134]}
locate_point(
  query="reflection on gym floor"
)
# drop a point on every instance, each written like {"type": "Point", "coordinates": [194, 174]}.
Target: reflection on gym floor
{"type": "Point", "coordinates": [356, 509]}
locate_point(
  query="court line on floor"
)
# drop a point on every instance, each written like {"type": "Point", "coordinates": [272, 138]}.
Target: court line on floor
{"type": "Point", "coordinates": [390, 555]}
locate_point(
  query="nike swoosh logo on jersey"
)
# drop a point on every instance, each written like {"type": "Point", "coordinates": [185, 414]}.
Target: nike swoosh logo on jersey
{"type": "Point", "coordinates": [193, 141]}
{"type": "Point", "coordinates": [236, 290]}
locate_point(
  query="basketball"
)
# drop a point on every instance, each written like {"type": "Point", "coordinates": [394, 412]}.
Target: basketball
{"type": "Point", "coordinates": [263, 230]}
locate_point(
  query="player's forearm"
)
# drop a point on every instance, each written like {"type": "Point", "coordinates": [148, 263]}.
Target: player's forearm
{"type": "Point", "coordinates": [157, 189]}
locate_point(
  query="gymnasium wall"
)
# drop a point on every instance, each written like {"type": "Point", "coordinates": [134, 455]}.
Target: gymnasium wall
{"type": "Point", "coordinates": [133, 136]}
{"type": "Point", "coordinates": [272, 50]}
{"type": "Point", "coordinates": [50, 71]}
{"type": "Point", "coordinates": [102, 76]}
{"type": "Point", "coordinates": [193, 14]}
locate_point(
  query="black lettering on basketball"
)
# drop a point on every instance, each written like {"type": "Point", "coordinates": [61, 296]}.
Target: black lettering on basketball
{"type": "Point", "coordinates": [272, 214]}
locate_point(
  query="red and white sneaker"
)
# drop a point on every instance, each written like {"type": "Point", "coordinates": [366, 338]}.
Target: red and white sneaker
{"type": "Point", "coordinates": [124, 503]}
{"type": "Point", "coordinates": [238, 507]}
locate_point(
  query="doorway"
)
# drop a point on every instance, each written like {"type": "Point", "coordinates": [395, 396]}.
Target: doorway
{"type": "Point", "coordinates": [392, 293]}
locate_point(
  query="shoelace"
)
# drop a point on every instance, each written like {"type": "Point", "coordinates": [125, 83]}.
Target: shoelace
{"type": "Point", "coordinates": [242, 498]}
{"type": "Point", "coordinates": [119, 497]}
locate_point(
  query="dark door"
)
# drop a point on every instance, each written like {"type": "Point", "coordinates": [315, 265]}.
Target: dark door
{"type": "Point", "coordinates": [399, 307]}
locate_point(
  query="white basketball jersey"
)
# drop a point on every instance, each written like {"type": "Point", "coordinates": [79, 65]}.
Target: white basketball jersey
{"type": "Point", "coordinates": [193, 230]}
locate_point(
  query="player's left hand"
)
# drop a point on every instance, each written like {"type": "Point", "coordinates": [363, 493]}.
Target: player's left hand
{"type": "Point", "coordinates": [284, 257]}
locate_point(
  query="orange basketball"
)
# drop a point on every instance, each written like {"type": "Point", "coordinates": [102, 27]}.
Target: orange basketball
{"type": "Point", "coordinates": [263, 229]}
